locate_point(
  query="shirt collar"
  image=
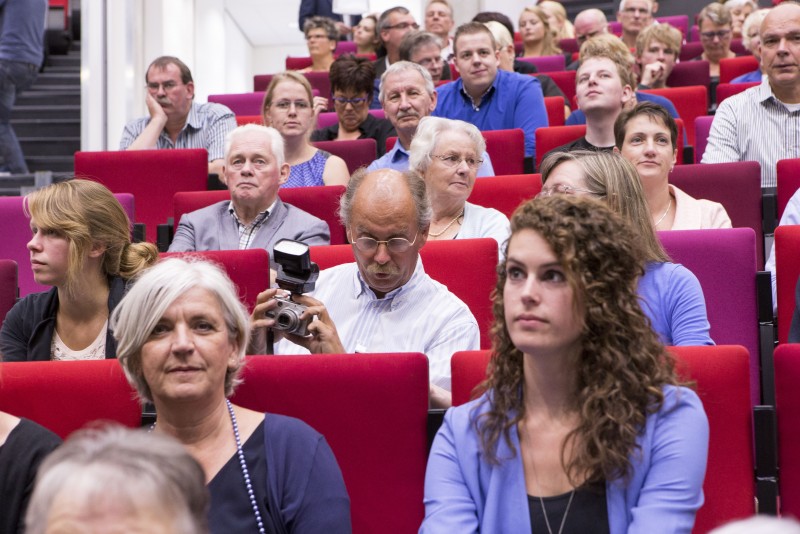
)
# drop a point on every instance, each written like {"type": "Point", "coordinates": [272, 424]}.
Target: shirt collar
{"type": "Point", "coordinates": [396, 296]}
{"type": "Point", "coordinates": [399, 153]}
{"type": "Point", "coordinates": [261, 217]}
{"type": "Point", "coordinates": [193, 119]}
{"type": "Point", "coordinates": [484, 97]}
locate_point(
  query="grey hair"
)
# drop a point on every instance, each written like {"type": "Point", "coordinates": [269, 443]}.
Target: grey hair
{"type": "Point", "coordinates": [415, 40]}
{"type": "Point", "coordinates": [416, 186]}
{"type": "Point", "coordinates": [130, 469]}
{"type": "Point", "coordinates": [403, 66]}
{"type": "Point", "coordinates": [718, 14]}
{"type": "Point", "coordinates": [383, 20]}
{"type": "Point", "coordinates": [730, 4]}
{"type": "Point", "coordinates": [753, 19]}
{"type": "Point", "coordinates": [324, 23]}
{"type": "Point", "coordinates": [760, 524]}
{"type": "Point", "coordinates": [154, 291]}
{"type": "Point", "coordinates": [273, 137]}
{"type": "Point", "coordinates": [427, 135]}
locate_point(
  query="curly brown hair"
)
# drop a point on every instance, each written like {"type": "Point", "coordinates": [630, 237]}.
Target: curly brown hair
{"type": "Point", "coordinates": [622, 367]}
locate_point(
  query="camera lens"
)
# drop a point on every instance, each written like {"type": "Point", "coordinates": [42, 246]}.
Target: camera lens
{"type": "Point", "coordinates": [286, 320]}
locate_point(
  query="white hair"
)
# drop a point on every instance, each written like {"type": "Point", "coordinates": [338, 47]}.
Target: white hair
{"type": "Point", "coordinates": [273, 137]}
{"type": "Point", "coordinates": [427, 135]}
{"type": "Point", "coordinates": [622, 5]}
{"type": "Point", "coordinates": [403, 66]}
{"type": "Point", "coordinates": [760, 524]}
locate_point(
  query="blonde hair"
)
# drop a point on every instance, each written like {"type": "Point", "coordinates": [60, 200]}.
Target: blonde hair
{"type": "Point", "coordinates": [86, 213]}
{"type": "Point", "coordinates": [611, 47]}
{"type": "Point", "coordinates": [567, 31]}
{"type": "Point", "coordinates": [549, 45]}
{"type": "Point", "coordinates": [663, 33]}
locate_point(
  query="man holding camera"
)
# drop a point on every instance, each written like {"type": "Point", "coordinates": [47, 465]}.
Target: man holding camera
{"type": "Point", "coordinates": [384, 302]}
{"type": "Point", "coordinates": [255, 217]}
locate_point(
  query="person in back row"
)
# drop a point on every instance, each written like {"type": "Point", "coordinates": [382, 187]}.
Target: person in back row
{"type": "Point", "coordinates": [81, 246]}
{"type": "Point", "coordinates": [487, 97]}
{"type": "Point", "coordinates": [175, 120]}
{"type": "Point", "coordinates": [255, 216]}
{"type": "Point", "coordinates": [408, 95]}
{"type": "Point", "coordinates": [657, 50]}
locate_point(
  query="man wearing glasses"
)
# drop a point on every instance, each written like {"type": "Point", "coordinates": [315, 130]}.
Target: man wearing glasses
{"type": "Point", "coordinates": [175, 120]}
{"type": "Point", "coordinates": [255, 217]}
{"type": "Point", "coordinates": [384, 302]}
{"type": "Point", "coordinates": [634, 16]}
{"type": "Point", "coordinates": [393, 25]}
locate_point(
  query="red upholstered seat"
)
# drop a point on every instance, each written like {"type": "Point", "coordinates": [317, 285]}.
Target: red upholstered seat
{"type": "Point", "coordinates": [321, 201]}
{"type": "Point", "coordinates": [730, 68]}
{"type": "Point", "coordinates": [507, 149]}
{"type": "Point", "coordinates": [241, 103]}
{"type": "Point", "coordinates": [555, 110]}
{"type": "Point", "coordinates": [355, 152]}
{"type": "Point", "coordinates": [702, 127]}
{"type": "Point", "coordinates": [554, 136]}
{"type": "Point", "coordinates": [689, 73]}
{"type": "Point", "coordinates": [466, 266]}
{"type": "Point", "coordinates": [505, 193]}
{"type": "Point", "coordinates": [680, 22]}
{"type": "Point", "coordinates": [725, 90]}
{"type": "Point", "coordinates": [690, 102]}
{"type": "Point", "coordinates": [248, 119]}
{"type": "Point", "coordinates": [545, 64]}
{"type": "Point", "coordinates": [724, 261]}
{"type": "Point", "coordinates": [788, 173]}
{"type": "Point", "coordinates": [568, 45]}
{"type": "Point", "coordinates": [565, 80]}
{"type": "Point", "coordinates": [372, 410]}
{"type": "Point", "coordinates": [248, 269]}
{"type": "Point", "coordinates": [8, 287]}
{"type": "Point", "coordinates": [722, 377]}
{"type": "Point", "coordinates": [737, 186]}
{"type": "Point", "coordinates": [152, 176]}
{"type": "Point", "coordinates": [690, 50]}
{"type": "Point", "coordinates": [787, 377]}
{"type": "Point", "coordinates": [297, 63]}
{"type": "Point", "coordinates": [17, 232]}
{"type": "Point", "coordinates": [65, 396]}
{"type": "Point", "coordinates": [787, 266]}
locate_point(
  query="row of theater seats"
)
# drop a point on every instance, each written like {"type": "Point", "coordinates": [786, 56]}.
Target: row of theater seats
{"type": "Point", "coordinates": [379, 434]}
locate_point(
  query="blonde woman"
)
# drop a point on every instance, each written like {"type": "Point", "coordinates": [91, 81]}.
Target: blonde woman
{"type": "Point", "coordinates": [537, 36]}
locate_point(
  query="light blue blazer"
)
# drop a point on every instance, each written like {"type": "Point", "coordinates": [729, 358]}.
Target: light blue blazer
{"type": "Point", "coordinates": [463, 493]}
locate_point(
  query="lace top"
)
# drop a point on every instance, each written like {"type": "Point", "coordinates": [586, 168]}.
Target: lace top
{"type": "Point", "coordinates": [95, 351]}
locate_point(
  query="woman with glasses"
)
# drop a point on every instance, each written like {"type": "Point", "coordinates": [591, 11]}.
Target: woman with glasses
{"type": "Point", "coordinates": [671, 295]}
{"type": "Point", "coordinates": [584, 425]}
{"type": "Point", "coordinates": [447, 155]}
{"type": "Point", "coordinates": [352, 86]}
{"type": "Point", "coordinates": [646, 136]}
{"type": "Point", "coordinates": [287, 107]}
{"type": "Point", "coordinates": [537, 37]}
{"type": "Point", "coordinates": [715, 34]}
{"type": "Point", "coordinates": [321, 39]}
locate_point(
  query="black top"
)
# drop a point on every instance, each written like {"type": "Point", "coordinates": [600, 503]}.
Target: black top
{"type": "Point", "coordinates": [580, 144]}
{"type": "Point", "coordinates": [20, 456]}
{"type": "Point", "coordinates": [587, 513]}
{"type": "Point", "coordinates": [378, 129]}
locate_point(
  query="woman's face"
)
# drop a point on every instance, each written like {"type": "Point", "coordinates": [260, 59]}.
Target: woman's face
{"type": "Point", "coordinates": [449, 174]}
{"type": "Point", "coordinates": [351, 114]}
{"type": "Point", "coordinates": [648, 146]}
{"type": "Point", "coordinates": [531, 27]}
{"type": "Point", "coordinates": [49, 256]}
{"type": "Point", "coordinates": [568, 178]}
{"type": "Point", "coordinates": [716, 39]}
{"type": "Point", "coordinates": [364, 33]}
{"type": "Point", "coordinates": [189, 351]}
{"type": "Point", "coordinates": [738, 14]}
{"type": "Point", "coordinates": [318, 43]}
{"type": "Point", "coordinates": [507, 55]}
{"type": "Point", "coordinates": [754, 41]}
{"type": "Point", "coordinates": [540, 305]}
{"type": "Point", "coordinates": [290, 112]}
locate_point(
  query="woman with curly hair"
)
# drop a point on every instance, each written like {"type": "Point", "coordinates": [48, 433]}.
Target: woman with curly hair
{"type": "Point", "coordinates": [81, 246]}
{"type": "Point", "coordinates": [671, 294]}
{"type": "Point", "coordinates": [583, 426]}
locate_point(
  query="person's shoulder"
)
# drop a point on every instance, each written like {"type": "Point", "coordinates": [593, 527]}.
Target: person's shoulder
{"type": "Point", "coordinates": [213, 109]}
{"type": "Point", "coordinates": [214, 210]}
{"type": "Point", "coordinates": [34, 303]}
{"type": "Point", "coordinates": [289, 429]}
{"type": "Point", "coordinates": [328, 133]}
{"type": "Point", "coordinates": [343, 269]}
{"type": "Point", "coordinates": [462, 418]}
{"type": "Point", "coordinates": [31, 435]}
{"type": "Point", "coordinates": [681, 398]}
{"type": "Point", "coordinates": [300, 215]}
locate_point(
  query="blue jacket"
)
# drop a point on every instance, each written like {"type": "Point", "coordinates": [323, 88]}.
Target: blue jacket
{"type": "Point", "coordinates": [577, 116]}
{"type": "Point", "coordinates": [463, 493]}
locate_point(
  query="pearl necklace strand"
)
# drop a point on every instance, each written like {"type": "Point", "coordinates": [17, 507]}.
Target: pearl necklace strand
{"type": "Point", "coordinates": [446, 228]}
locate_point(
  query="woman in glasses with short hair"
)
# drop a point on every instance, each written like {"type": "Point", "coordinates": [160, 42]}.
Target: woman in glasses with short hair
{"type": "Point", "coordinates": [352, 87]}
{"type": "Point", "coordinates": [447, 153]}
{"type": "Point", "coordinates": [716, 32]}
{"type": "Point", "coordinates": [290, 107]}
{"type": "Point", "coordinates": [321, 40]}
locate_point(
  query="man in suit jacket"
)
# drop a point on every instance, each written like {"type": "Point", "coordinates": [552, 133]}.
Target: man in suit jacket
{"type": "Point", "coordinates": [255, 217]}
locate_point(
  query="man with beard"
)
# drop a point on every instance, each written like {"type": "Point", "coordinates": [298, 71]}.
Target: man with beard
{"type": "Point", "coordinates": [175, 120]}
{"type": "Point", "coordinates": [384, 302]}
{"type": "Point", "coordinates": [407, 94]}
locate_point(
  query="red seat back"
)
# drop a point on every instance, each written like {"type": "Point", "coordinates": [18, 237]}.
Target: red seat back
{"type": "Point", "coordinates": [690, 50]}
{"type": "Point", "coordinates": [466, 266]}
{"type": "Point", "coordinates": [241, 103]}
{"type": "Point", "coordinates": [507, 150]}
{"type": "Point", "coordinates": [787, 267]}
{"type": "Point", "coordinates": [505, 193]}
{"type": "Point", "coordinates": [555, 110]}
{"type": "Point", "coordinates": [565, 80]}
{"type": "Point", "coordinates": [730, 68]}
{"type": "Point", "coordinates": [320, 201]}
{"type": "Point", "coordinates": [297, 63]}
{"type": "Point", "coordinates": [546, 64]}
{"type": "Point", "coordinates": [249, 119]}
{"type": "Point", "coordinates": [372, 410]}
{"type": "Point", "coordinates": [787, 394]}
{"type": "Point", "coordinates": [355, 152]}
{"type": "Point", "coordinates": [725, 90]}
{"type": "Point", "coordinates": [66, 396]}
{"type": "Point", "coordinates": [689, 73]}
{"type": "Point", "coordinates": [248, 269]}
{"type": "Point", "coordinates": [554, 136]}
{"type": "Point", "coordinates": [702, 127]}
{"type": "Point", "coordinates": [690, 102]}
{"type": "Point", "coordinates": [152, 176]}
{"type": "Point", "coordinates": [8, 287]}
{"type": "Point", "coordinates": [788, 176]}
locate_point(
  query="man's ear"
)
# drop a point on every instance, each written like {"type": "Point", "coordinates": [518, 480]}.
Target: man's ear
{"type": "Point", "coordinates": [285, 169]}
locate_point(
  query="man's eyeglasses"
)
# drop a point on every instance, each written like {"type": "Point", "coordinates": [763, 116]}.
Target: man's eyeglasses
{"type": "Point", "coordinates": [709, 36]}
{"type": "Point", "coordinates": [299, 105]}
{"type": "Point", "coordinates": [454, 160]}
{"type": "Point", "coordinates": [342, 101]}
{"type": "Point", "coordinates": [563, 189]}
{"type": "Point", "coordinates": [168, 86]}
{"type": "Point", "coordinates": [396, 245]}
{"type": "Point", "coordinates": [402, 26]}
{"type": "Point", "coordinates": [317, 36]}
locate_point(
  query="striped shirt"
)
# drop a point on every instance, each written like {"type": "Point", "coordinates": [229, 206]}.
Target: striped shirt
{"type": "Point", "coordinates": [247, 231]}
{"type": "Point", "coordinates": [420, 316]}
{"type": "Point", "coordinates": [755, 126]}
{"type": "Point", "coordinates": [206, 127]}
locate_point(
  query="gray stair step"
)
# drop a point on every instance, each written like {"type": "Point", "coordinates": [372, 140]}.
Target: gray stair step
{"type": "Point", "coordinates": [58, 78]}
{"type": "Point", "coordinates": [53, 89]}
{"type": "Point", "coordinates": [49, 98]}
{"type": "Point", "coordinates": [62, 69]}
{"type": "Point", "coordinates": [49, 146]}
{"type": "Point", "coordinates": [70, 60]}
{"type": "Point", "coordinates": [47, 127]}
{"type": "Point", "coordinates": [46, 112]}
{"type": "Point", "coordinates": [56, 164]}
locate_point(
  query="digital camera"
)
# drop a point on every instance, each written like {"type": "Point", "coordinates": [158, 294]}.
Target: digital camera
{"type": "Point", "coordinates": [296, 274]}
